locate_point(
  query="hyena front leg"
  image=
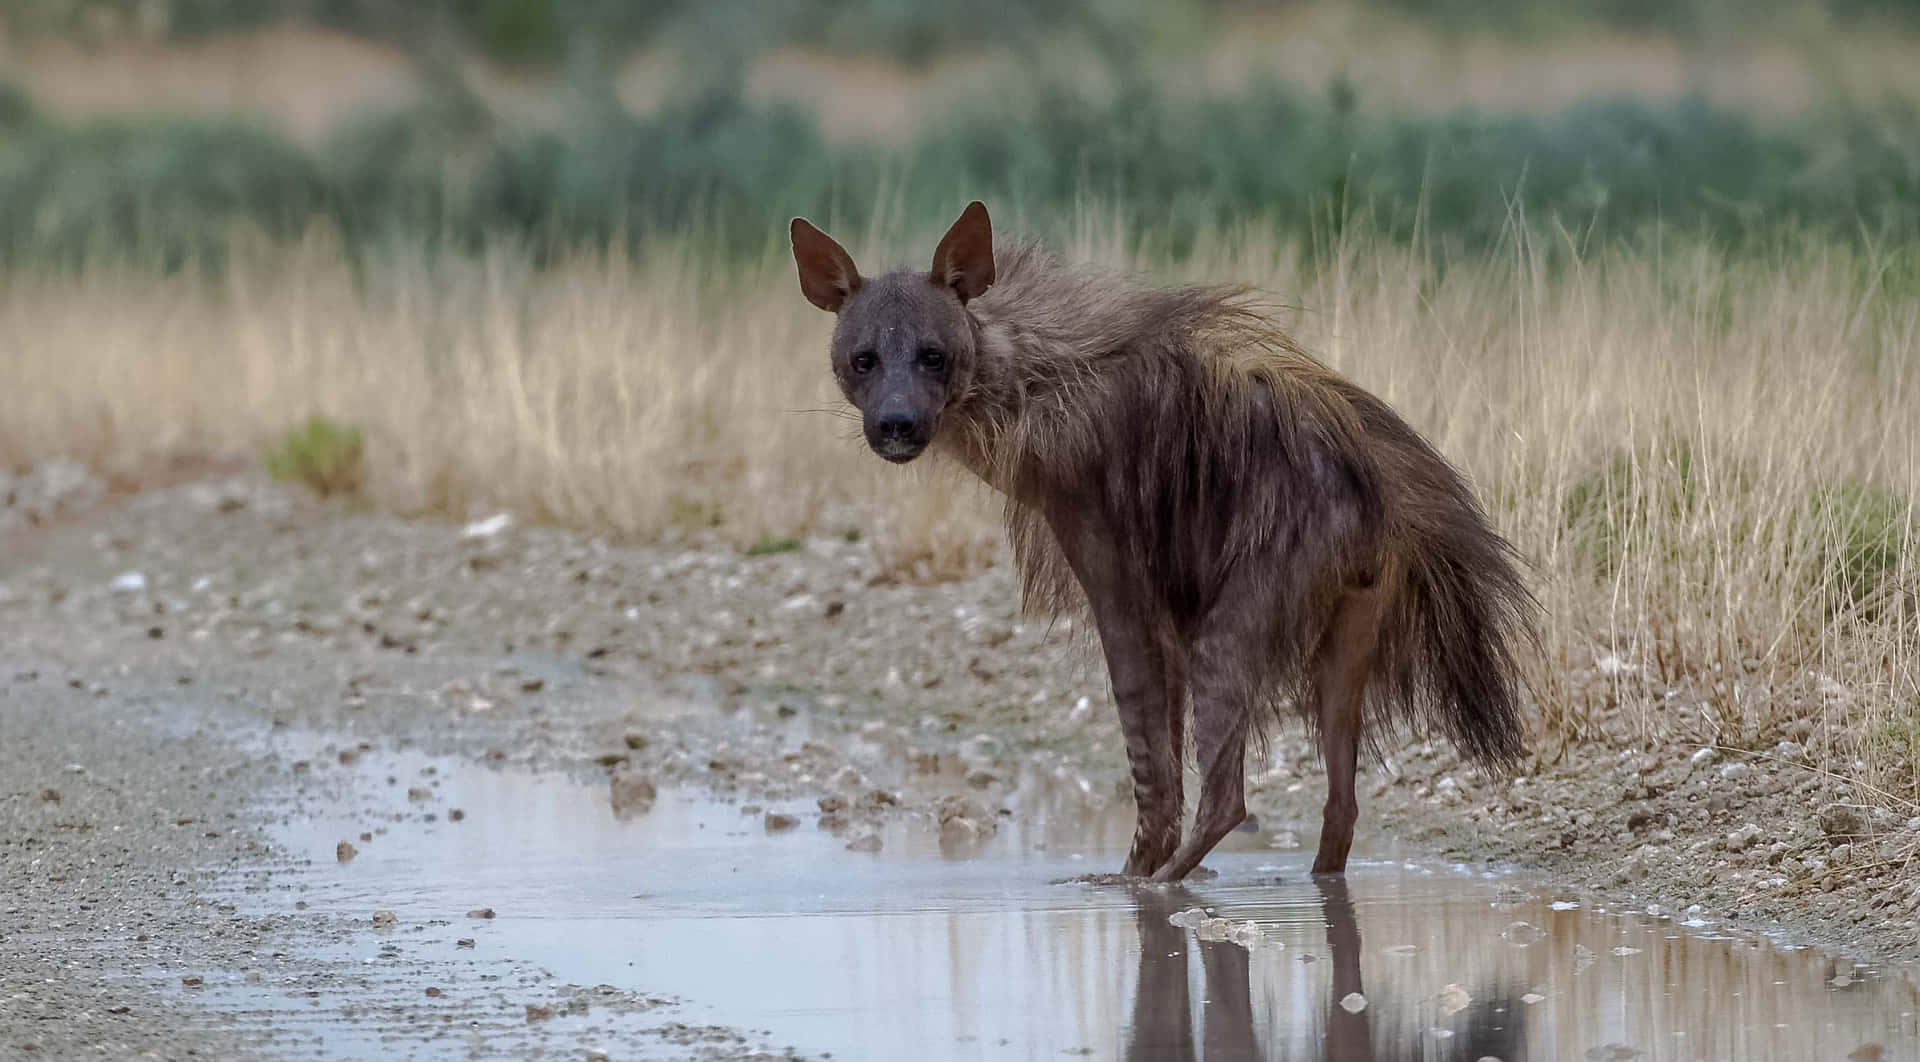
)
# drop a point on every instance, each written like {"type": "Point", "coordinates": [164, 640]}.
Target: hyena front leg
{"type": "Point", "coordinates": [1145, 670]}
{"type": "Point", "coordinates": [1222, 664]}
{"type": "Point", "coordinates": [1138, 671]}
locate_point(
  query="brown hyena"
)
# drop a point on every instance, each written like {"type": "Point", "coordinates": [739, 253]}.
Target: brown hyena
{"type": "Point", "coordinates": [1248, 530]}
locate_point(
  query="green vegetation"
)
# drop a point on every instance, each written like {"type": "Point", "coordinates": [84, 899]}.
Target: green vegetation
{"type": "Point", "coordinates": [1860, 533]}
{"type": "Point", "coordinates": [540, 31]}
{"type": "Point", "coordinates": [767, 547]}
{"type": "Point", "coordinates": [322, 454]}
{"type": "Point", "coordinates": [453, 176]}
{"type": "Point", "coordinates": [1651, 502]}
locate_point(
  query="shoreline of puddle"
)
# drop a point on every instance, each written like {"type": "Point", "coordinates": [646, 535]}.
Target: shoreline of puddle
{"type": "Point", "coordinates": [692, 915]}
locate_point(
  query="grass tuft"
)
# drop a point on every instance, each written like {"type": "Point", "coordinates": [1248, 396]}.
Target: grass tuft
{"type": "Point", "coordinates": [322, 454]}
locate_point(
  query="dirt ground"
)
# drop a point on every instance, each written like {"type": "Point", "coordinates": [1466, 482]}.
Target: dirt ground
{"type": "Point", "coordinates": [152, 643]}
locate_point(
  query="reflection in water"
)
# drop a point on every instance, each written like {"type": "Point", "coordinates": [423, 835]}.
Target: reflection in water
{"type": "Point", "coordinates": [915, 953]}
{"type": "Point", "coordinates": [1349, 1033]}
{"type": "Point", "coordinates": [1162, 1024]}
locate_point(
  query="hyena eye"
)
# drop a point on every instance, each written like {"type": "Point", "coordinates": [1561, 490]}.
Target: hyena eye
{"type": "Point", "coordinates": [932, 359]}
{"type": "Point", "coordinates": [863, 362]}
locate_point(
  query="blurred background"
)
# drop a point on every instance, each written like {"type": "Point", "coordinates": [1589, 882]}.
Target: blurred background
{"type": "Point", "coordinates": [152, 127]}
{"type": "Point", "coordinates": [1647, 270]}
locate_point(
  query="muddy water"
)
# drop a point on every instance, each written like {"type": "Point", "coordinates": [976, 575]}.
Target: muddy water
{"type": "Point", "coordinates": [923, 951]}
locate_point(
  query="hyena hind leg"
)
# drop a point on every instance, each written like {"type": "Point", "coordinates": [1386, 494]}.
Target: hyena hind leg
{"type": "Point", "coordinates": [1340, 672]}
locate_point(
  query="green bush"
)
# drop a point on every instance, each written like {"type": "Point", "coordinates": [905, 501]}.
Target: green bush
{"type": "Point", "coordinates": [1657, 487]}
{"type": "Point", "coordinates": [168, 191]}
{"type": "Point", "coordinates": [730, 173]}
{"type": "Point", "coordinates": [1860, 533]}
{"type": "Point", "coordinates": [322, 454]}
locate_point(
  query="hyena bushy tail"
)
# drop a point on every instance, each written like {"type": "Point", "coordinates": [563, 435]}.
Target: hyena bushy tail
{"type": "Point", "coordinates": [1451, 639]}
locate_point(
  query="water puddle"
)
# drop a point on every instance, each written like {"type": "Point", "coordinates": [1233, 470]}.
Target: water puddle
{"type": "Point", "coordinates": [930, 950]}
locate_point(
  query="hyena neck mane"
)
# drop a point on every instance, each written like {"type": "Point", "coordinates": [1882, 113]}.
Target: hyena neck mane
{"type": "Point", "coordinates": [1056, 346]}
{"type": "Point", "coordinates": [1093, 394]}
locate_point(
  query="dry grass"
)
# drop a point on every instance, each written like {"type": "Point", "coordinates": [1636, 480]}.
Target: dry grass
{"type": "Point", "coordinates": [1712, 463]}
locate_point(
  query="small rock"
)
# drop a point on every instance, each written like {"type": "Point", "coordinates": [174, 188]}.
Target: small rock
{"type": "Point", "coordinates": [1743, 838]}
{"type": "Point", "coordinates": [455, 815]}
{"type": "Point", "coordinates": [832, 805]}
{"type": "Point", "coordinates": [982, 778]}
{"type": "Point", "coordinates": [480, 912]}
{"type": "Point", "coordinates": [435, 993]}
{"type": "Point", "coordinates": [1453, 1000]}
{"type": "Point", "coordinates": [631, 794]}
{"type": "Point", "coordinates": [962, 821]}
{"type": "Point", "coordinates": [611, 759]}
{"type": "Point", "coordinates": [193, 981]}
{"type": "Point", "coordinates": [845, 778]}
{"type": "Point", "coordinates": [1523, 934]}
{"type": "Point", "coordinates": [596, 1056]}
{"type": "Point", "coordinates": [635, 740]}
{"type": "Point", "coordinates": [875, 799]}
{"type": "Point", "coordinates": [487, 528]}
{"type": "Point", "coordinates": [51, 796]}
{"type": "Point", "coordinates": [1842, 822]}
{"type": "Point", "coordinates": [345, 851]}
{"type": "Point", "coordinates": [384, 918]}
{"type": "Point", "coordinates": [1353, 1002]}
{"type": "Point", "coordinates": [776, 822]}
{"type": "Point", "coordinates": [129, 583]}
{"type": "Point", "coordinates": [463, 942]}
{"type": "Point", "coordinates": [866, 842]}
{"type": "Point", "coordinates": [538, 1012]}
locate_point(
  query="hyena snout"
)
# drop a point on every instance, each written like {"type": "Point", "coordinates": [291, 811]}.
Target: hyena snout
{"type": "Point", "coordinates": [899, 435]}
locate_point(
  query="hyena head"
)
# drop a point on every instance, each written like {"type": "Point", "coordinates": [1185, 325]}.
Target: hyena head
{"type": "Point", "coordinates": [903, 346]}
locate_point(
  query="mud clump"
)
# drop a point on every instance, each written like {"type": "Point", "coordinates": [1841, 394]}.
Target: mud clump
{"type": "Point", "coordinates": [962, 821]}
{"type": "Point", "coordinates": [632, 794]}
{"type": "Point", "coordinates": [775, 822]}
{"type": "Point", "coordinates": [833, 813]}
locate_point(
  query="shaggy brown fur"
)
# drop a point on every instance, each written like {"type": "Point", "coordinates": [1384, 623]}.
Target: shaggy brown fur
{"type": "Point", "coordinates": [1249, 531]}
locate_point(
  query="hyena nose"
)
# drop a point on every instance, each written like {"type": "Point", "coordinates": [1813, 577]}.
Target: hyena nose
{"type": "Point", "coordinates": [896, 427]}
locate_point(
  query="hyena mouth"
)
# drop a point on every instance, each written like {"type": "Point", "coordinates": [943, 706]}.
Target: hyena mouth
{"type": "Point", "coordinates": [899, 451]}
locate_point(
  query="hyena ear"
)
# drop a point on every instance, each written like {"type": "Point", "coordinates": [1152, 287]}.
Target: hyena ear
{"type": "Point", "coordinates": [964, 259]}
{"type": "Point", "coordinates": [827, 275]}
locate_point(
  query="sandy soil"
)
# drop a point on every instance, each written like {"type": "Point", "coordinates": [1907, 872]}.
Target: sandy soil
{"type": "Point", "coordinates": [153, 641]}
